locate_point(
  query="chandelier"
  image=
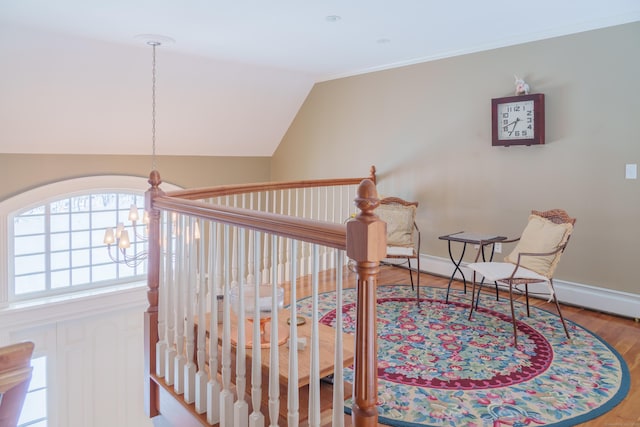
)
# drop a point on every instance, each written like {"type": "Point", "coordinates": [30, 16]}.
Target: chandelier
{"type": "Point", "coordinates": [120, 236]}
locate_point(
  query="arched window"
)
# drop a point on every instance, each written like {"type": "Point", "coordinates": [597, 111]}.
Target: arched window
{"type": "Point", "coordinates": [55, 236]}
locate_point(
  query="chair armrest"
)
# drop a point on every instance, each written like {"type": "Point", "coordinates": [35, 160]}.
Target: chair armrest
{"type": "Point", "coordinates": [534, 254]}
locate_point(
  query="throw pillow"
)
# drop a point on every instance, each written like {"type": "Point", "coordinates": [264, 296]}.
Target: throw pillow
{"type": "Point", "coordinates": [540, 236]}
{"type": "Point", "coordinates": [399, 221]}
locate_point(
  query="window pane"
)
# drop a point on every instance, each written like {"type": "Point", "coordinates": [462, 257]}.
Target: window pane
{"type": "Point", "coordinates": [60, 260]}
{"type": "Point", "coordinates": [100, 255]}
{"type": "Point", "coordinates": [97, 237]}
{"type": "Point", "coordinates": [31, 283]}
{"type": "Point", "coordinates": [29, 264]}
{"type": "Point", "coordinates": [28, 244]}
{"type": "Point", "coordinates": [59, 222]}
{"type": "Point", "coordinates": [34, 411]}
{"type": "Point", "coordinates": [80, 239]}
{"type": "Point", "coordinates": [80, 276]}
{"type": "Point", "coordinates": [104, 272]}
{"type": "Point", "coordinates": [136, 248]}
{"type": "Point", "coordinates": [60, 206]}
{"type": "Point", "coordinates": [39, 374]}
{"type": "Point", "coordinates": [24, 224]}
{"type": "Point", "coordinates": [123, 217]}
{"type": "Point", "coordinates": [104, 219]}
{"type": "Point", "coordinates": [81, 203]}
{"type": "Point", "coordinates": [60, 279]}
{"type": "Point", "coordinates": [80, 258]}
{"type": "Point", "coordinates": [60, 242]}
{"type": "Point", "coordinates": [127, 271]}
{"type": "Point", "coordinates": [104, 201]}
{"type": "Point", "coordinates": [81, 221]}
{"type": "Point", "coordinates": [35, 406]}
{"type": "Point", "coordinates": [126, 200]}
{"type": "Point", "coordinates": [38, 210]}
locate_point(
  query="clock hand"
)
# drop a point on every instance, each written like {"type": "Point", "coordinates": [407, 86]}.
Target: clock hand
{"type": "Point", "coordinates": [514, 123]}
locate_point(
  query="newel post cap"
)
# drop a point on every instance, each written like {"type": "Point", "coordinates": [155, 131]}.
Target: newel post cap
{"type": "Point", "coordinates": [366, 233]}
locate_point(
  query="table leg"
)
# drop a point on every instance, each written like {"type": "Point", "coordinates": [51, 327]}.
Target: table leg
{"type": "Point", "coordinates": [493, 248]}
{"type": "Point", "coordinates": [457, 268]}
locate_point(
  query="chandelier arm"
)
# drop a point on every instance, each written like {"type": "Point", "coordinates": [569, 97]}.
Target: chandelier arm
{"type": "Point", "coordinates": [133, 260]}
{"type": "Point", "coordinates": [128, 260]}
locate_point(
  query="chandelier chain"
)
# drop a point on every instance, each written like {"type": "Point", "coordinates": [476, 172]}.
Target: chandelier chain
{"type": "Point", "coordinates": [153, 106]}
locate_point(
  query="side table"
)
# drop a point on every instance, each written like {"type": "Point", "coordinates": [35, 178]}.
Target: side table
{"type": "Point", "coordinates": [465, 238]}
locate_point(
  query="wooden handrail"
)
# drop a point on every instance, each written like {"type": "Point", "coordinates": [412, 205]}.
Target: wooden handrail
{"type": "Point", "coordinates": [306, 230]}
{"type": "Point", "coordinates": [226, 190]}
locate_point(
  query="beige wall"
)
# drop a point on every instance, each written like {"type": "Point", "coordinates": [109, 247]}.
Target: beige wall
{"type": "Point", "coordinates": [20, 172]}
{"type": "Point", "coordinates": [427, 129]}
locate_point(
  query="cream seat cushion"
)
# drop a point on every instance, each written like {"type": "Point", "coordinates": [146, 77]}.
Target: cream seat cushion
{"type": "Point", "coordinates": [501, 272]}
{"type": "Point", "coordinates": [540, 236]}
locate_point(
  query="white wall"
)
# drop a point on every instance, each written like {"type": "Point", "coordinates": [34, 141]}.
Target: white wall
{"type": "Point", "coordinates": [427, 129]}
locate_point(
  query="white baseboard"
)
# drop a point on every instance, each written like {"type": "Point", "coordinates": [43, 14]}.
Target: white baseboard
{"type": "Point", "coordinates": [588, 296]}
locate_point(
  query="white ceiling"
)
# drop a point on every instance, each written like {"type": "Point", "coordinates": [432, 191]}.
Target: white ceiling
{"type": "Point", "coordinates": [296, 34]}
{"type": "Point", "coordinates": [299, 38]}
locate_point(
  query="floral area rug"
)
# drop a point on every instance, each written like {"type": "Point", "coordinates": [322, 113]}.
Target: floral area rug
{"type": "Point", "coordinates": [437, 368]}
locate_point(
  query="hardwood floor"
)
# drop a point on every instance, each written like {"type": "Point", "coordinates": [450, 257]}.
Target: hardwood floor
{"type": "Point", "coordinates": [623, 334]}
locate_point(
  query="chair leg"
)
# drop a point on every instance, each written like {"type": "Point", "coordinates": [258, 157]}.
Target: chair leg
{"type": "Point", "coordinates": [410, 272]}
{"type": "Point", "coordinates": [418, 279]}
{"type": "Point", "coordinates": [526, 294]}
{"type": "Point", "coordinates": [555, 299]}
{"type": "Point", "coordinates": [473, 294]}
{"type": "Point", "coordinates": [513, 317]}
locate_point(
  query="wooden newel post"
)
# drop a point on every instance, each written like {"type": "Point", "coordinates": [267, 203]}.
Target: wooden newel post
{"type": "Point", "coordinates": [153, 281]}
{"type": "Point", "coordinates": [366, 244]}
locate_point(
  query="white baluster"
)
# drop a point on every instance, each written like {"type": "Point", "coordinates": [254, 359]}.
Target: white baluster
{"type": "Point", "coordinates": [334, 220]}
{"type": "Point", "coordinates": [338, 375]}
{"type": "Point", "coordinates": [314, 379]}
{"type": "Point", "coordinates": [170, 353]}
{"type": "Point", "coordinates": [201, 376]}
{"type": "Point", "coordinates": [178, 384]}
{"type": "Point", "coordinates": [192, 280]}
{"type": "Point", "coordinates": [303, 249]}
{"type": "Point", "coordinates": [226, 396]}
{"type": "Point", "coordinates": [323, 216]}
{"type": "Point", "coordinates": [215, 280]}
{"type": "Point", "coordinates": [257, 418]}
{"type": "Point", "coordinates": [234, 258]}
{"type": "Point", "coordinates": [274, 355]}
{"type": "Point", "coordinates": [161, 345]}
{"type": "Point", "coordinates": [281, 273]}
{"type": "Point", "coordinates": [241, 408]}
{"type": "Point", "coordinates": [287, 266]}
{"type": "Point", "coordinates": [293, 405]}
{"type": "Point", "coordinates": [265, 255]}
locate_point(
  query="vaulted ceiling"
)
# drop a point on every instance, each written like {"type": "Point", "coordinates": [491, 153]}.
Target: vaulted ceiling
{"type": "Point", "coordinates": [234, 73]}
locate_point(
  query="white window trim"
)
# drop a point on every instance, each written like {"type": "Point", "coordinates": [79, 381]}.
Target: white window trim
{"type": "Point", "coordinates": [49, 192]}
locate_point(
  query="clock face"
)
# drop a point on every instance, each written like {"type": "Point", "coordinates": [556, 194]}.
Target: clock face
{"type": "Point", "coordinates": [516, 120]}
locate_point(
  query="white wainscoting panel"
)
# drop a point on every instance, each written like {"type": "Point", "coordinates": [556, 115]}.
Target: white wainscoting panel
{"type": "Point", "coordinates": [95, 356]}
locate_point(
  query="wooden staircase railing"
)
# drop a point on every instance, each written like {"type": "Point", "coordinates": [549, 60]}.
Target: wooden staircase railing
{"type": "Point", "coordinates": [273, 209]}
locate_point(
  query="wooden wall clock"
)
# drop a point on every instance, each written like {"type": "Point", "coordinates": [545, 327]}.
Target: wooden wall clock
{"type": "Point", "coordinates": [518, 120]}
